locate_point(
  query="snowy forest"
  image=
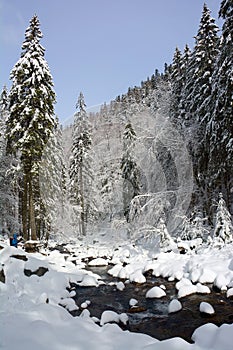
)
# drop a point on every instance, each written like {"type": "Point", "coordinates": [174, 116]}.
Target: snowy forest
{"type": "Point", "coordinates": [154, 163]}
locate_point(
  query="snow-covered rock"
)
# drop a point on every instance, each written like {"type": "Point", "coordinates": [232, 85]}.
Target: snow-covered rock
{"type": "Point", "coordinates": [137, 277]}
{"type": "Point", "coordinates": [230, 293]}
{"type": "Point", "coordinates": [186, 290]}
{"type": "Point", "coordinates": [133, 302]}
{"type": "Point", "coordinates": [174, 306]}
{"type": "Point", "coordinates": [206, 308]}
{"type": "Point", "coordinates": [120, 286]}
{"type": "Point", "coordinates": [220, 282]}
{"type": "Point", "coordinates": [69, 304]}
{"type": "Point", "coordinates": [85, 304]}
{"type": "Point", "coordinates": [201, 289]}
{"type": "Point", "coordinates": [111, 316]}
{"type": "Point", "coordinates": [98, 262]}
{"type": "Point", "coordinates": [207, 276]}
{"type": "Point", "coordinates": [155, 292]}
{"type": "Point", "coordinates": [88, 281]}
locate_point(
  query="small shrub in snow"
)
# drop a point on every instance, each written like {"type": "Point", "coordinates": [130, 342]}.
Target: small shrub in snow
{"type": "Point", "coordinates": [223, 226]}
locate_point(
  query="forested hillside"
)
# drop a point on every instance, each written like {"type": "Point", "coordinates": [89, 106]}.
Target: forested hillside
{"type": "Point", "coordinates": [156, 161]}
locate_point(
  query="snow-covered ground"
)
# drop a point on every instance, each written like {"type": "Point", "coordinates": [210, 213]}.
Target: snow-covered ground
{"type": "Point", "coordinates": [34, 310]}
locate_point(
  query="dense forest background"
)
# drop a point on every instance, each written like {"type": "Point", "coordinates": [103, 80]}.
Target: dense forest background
{"type": "Point", "coordinates": [156, 161]}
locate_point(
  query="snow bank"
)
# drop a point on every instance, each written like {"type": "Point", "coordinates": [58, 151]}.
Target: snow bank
{"type": "Point", "coordinates": [30, 306]}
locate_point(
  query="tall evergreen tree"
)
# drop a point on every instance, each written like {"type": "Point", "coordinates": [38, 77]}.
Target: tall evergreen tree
{"type": "Point", "coordinates": [130, 171]}
{"type": "Point", "coordinates": [31, 119]}
{"type": "Point", "coordinates": [8, 165]}
{"type": "Point", "coordinates": [220, 116]}
{"type": "Point", "coordinates": [81, 176]}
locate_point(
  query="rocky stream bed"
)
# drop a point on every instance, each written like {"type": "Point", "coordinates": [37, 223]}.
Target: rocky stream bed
{"type": "Point", "coordinates": [150, 316]}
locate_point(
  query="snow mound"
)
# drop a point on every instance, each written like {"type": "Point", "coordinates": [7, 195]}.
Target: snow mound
{"type": "Point", "coordinates": [201, 289]}
{"type": "Point", "coordinates": [120, 286]}
{"type": "Point", "coordinates": [69, 304]}
{"type": "Point", "coordinates": [98, 262]}
{"type": "Point", "coordinates": [111, 316]}
{"type": "Point", "coordinates": [230, 293]}
{"type": "Point", "coordinates": [207, 276]}
{"type": "Point", "coordinates": [89, 281]}
{"type": "Point", "coordinates": [155, 292]}
{"type": "Point", "coordinates": [137, 277]}
{"type": "Point", "coordinates": [133, 302]}
{"type": "Point", "coordinates": [174, 306]}
{"type": "Point", "coordinates": [187, 290]}
{"type": "Point", "coordinates": [206, 308]}
{"type": "Point", "coordinates": [220, 282]}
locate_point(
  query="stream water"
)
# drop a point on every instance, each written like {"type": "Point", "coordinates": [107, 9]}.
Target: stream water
{"type": "Point", "coordinates": [151, 317]}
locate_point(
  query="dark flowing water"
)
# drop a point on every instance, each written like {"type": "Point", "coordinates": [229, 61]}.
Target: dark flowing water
{"type": "Point", "coordinates": [151, 317]}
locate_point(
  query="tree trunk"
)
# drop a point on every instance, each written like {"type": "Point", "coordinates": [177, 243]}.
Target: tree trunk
{"type": "Point", "coordinates": [31, 211]}
{"type": "Point", "coordinates": [83, 228]}
{"type": "Point", "coordinates": [24, 207]}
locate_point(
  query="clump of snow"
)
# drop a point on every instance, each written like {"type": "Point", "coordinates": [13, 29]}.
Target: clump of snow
{"type": "Point", "coordinates": [98, 262]}
{"type": "Point", "coordinates": [207, 276]}
{"type": "Point", "coordinates": [230, 293]}
{"type": "Point", "coordinates": [109, 316]}
{"type": "Point", "coordinates": [163, 286]}
{"type": "Point", "coordinates": [89, 281]}
{"type": "Point", "coordinates": [72, 293]}
{"type": "Point", "coordinates": [120, 286]}
{"type": "Point", "coordinates": [155, 292]}
{"type": "Point", "coordinates": [174, 306]}
{"type": "Point", "coordinates": [201, 289]}
{"type": "Point", "coordinates": [69, 304]}
{"type": "Point", "coordinates": [220, 282]}
{"type": "Point", "coordinates": [133, 302]}
{"type": "Point", "coordinates": [85, 304]}
{"type": "Point", "coordinates": [186, 290]}
{"type": "Point", "coordinates": [137, 277]}
{"type": "Point", "coordinates": [206, 308]}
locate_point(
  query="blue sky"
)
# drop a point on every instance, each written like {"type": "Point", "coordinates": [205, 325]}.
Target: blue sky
{"type": "Point", "coordinates": [99, 47]}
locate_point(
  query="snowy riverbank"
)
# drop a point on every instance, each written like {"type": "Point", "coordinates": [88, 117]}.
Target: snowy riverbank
{"type": "Point", "coordinates": [32, 315]}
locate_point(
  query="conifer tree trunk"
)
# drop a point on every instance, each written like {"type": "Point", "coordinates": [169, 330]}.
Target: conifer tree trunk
{"type": "Point", "coordinates": [83, 228]}
{"type": "Point", "coordinates": [24, 207]}
{"type": "Point", "coordinates": [32, 211]}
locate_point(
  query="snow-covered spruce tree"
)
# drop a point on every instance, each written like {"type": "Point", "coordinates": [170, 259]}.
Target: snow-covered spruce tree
{"type": "Point", "coordinates": [53, 186]}
{"type": "Point", "coordinates": [130, 171]}
{"type": "Point", "coordinates": [223, 230]}
{"type": "Point", "coordinates": [81, 175]}
{"type": "Point", "coordinates": [31, 119]}
{"type": "Point", "coordinates": [204, 56]}
{"type": "Point", "coordinates": [196, 94]}
{"type": "Point", "coordinates": [220, 112]}
{"type": "Point", "coordinates": [176, 85]}
{"type": "Point", "coordinates": [8, 192]}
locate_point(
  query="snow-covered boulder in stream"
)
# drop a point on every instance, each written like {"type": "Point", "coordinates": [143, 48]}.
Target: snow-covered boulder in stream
{"type": "Point", "coordinates": [206, 308]}
{"type": "Point", "coordinates": [174, 306]}
{"type": "Point", "coordinates": [155, 292]}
